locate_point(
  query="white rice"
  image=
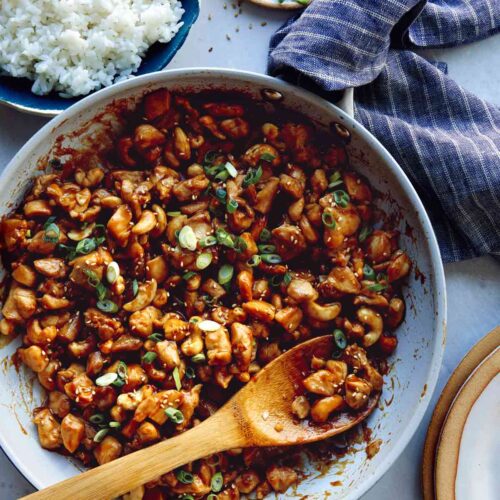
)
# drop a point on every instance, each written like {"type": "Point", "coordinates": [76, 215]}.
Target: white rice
{"type": "Point", "coordinates": [77, 46]}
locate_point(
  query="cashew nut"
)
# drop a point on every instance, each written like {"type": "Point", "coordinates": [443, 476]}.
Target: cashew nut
{"type": "Point", "coordinates": [80, 234]}
{"type": "Point", "coordinates": [144, 297]}
{"type": "Point", "coordinates": [146, 223]}
{"type": "Point", "coordinates": [318, 312]}
{"type": "Point", "coordinates": [374, 321]}
{"type": "Point", "coordinates": [161, 221]}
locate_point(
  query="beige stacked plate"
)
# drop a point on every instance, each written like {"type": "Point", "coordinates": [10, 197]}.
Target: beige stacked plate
{"type": "Point", "coordinates": [461, 459]}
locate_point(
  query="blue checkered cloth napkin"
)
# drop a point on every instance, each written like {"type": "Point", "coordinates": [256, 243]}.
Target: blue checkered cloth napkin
{"type": "Point", "coordinates": [445, 138]}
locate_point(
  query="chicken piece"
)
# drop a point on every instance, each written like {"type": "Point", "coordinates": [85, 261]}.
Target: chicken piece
{"type": "Point", "coordinates": [218, 347]}
{"type": "Point", "coordinates": [289, 241]}
{"type": "Point", "coordinates": [49, 429]}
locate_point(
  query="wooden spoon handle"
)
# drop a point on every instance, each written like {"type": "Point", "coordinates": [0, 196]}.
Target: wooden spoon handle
{"type": "Point", "coordinates": [219, 432]}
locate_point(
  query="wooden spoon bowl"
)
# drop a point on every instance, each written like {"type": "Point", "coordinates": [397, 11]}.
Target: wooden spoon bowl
{"type": "Point", "coordinates": [258, 415]}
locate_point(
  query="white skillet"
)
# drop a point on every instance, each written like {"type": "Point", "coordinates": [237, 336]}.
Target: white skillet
{"type": "Point", "coordinates": [416, 364]}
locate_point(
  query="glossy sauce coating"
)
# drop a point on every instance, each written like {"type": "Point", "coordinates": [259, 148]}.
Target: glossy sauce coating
{"type": "Point", "coordinates": [150, 287]}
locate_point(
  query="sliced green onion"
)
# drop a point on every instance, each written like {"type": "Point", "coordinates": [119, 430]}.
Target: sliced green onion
{"type": "Point", "coordinates": [382, 277]}
{"type": "Point", "coordinates": [271, 258]}
{"type": "Point", "coordinates": [149, 357]}
{"type": "Point", "coordinates": [254, 261]}
{"type": "Point", "coordinates": [174, 415]}
{"type": "Point", "coordinates": [107, 306]}
{"type": "Point", "coordinates": [231, 169]}
{"type": "Point", "coordinates": [340, 338]}
{"type": "Point", "coordinates": [51, 233]}
{"type": "Point", "coordinates": [252, 177]}
{"type": "Point", "coordinates": [203, 260]}
{"type": "Point", "coordinates": [287, 279]}
{"type": "Point", "coordinates": [112, 272]}
{"type": "Point", "coordinates": [187, 276]}
{"type": "Point", "coordinates": [156, 337]}
{"type": "Point", "coordinates": [328, 220]}
{"type": "Point", "coordinates": [222, 176]}
{"type": "Point", "coordinates": [185, 477]}
{"type": "Point", "coordinates": [114, 424]}
{"type": "Point", "coordinates": [341, 198]}
{"type": "Point", "coordinates": [187, 496]}
{"type": "Point", "coordinates": [208, 241]}
{"type": "Point", "coordinates": [97, 418]}
{"type": "Point", "coordinates": [224, 238]}
{"type": "Point", "coordinates": [187, 238]}
{"type": "Point", "coordinates": [212, 496]}
{"type": "Point", "coordinates": [93, 280]}
{"type": "Point", "coordinates": [217, 482]}
{"type": "Point", "coordinates": [194, 319]}
{"type": "Point", "coordinates": [135, 288]}
{"type": "Point", "coordinates": [106, 379]}
{"type": "Point", "coordinates": [232, 206]}
{"type": "Point", "coordinates": [221, 194]}
{"type": "Point", "coordinates": [368, 272]}
{"type": "Point", "coordinates": [86, 246]}
{"type": "Point", "coordinates": [174, 214]}
{"type": "Point", "coordinates": [335, 180]}
{"type": "Point", "coordinates": [101, 291]}
{"type": "Point", "coordinates": [265, 235]}
{"type": "Point", "coordinates": [119, 382]}
{"type": "Point", "coordinates": [225, 274]}
{"type": "Point", "coordinates": [190, 373]}
{"type": "Point", "coordinates": [337, 353]}
{"type": "Point", "coordinates": [177, 378]}
{"type": "Point", "coordinates": [49, 221]}
{"type": "Point", "coordinates": [100, 435]}
{"type": "Point", "coordinates": [376, 287]}
{"type": "Point", "coordinates": [240, 244]}
{"type": "Point", "coordinates": [266, 248]}
{"type": "Point", "coordinates": [210, 156]}
{"type": "Point", "coordinates": [212, 170]}
{"type": "Point", "coordinates": [267, 157]}
{"type": "Point", "coordinates": [364, 233]}
{"type": "Point", "coordinates": [122, 369]}
{"type": "Point", "coordinates": [276, 280]}
{"type": "Point", "coordinates": [70, 251]}
{"type": "Point", "coordinates": [209, 301]}
{"type": "Point", "coordinates": [199, 358]}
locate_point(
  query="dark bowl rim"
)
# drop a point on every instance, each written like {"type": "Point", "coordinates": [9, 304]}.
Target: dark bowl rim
{"type": "Point", "coordinates": [170, 49]}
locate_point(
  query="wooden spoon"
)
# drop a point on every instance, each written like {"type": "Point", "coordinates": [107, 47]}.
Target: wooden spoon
{"type": "Point", "coordinates": [258, 415]}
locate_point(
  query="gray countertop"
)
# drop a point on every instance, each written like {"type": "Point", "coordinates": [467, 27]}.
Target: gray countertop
{"type": "Point", "coordinates": [226, 37]}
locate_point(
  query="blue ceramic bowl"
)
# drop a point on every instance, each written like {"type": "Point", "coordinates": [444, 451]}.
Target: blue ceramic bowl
{"type": "Point", "coordinates": [16, 92]}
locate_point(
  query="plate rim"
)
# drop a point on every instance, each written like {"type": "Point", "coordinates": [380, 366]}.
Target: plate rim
{"type": "Point", "coordinates": [474, 357]}
{"type": "Point", "coordinates": [448, 451]}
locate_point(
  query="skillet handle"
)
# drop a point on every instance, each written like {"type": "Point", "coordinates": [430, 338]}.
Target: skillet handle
{"type": "Point", "coordinates": [346, 103]}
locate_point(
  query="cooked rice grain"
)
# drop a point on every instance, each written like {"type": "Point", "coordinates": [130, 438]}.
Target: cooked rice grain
{"type": "Point", "coordinates": [76, 46]}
